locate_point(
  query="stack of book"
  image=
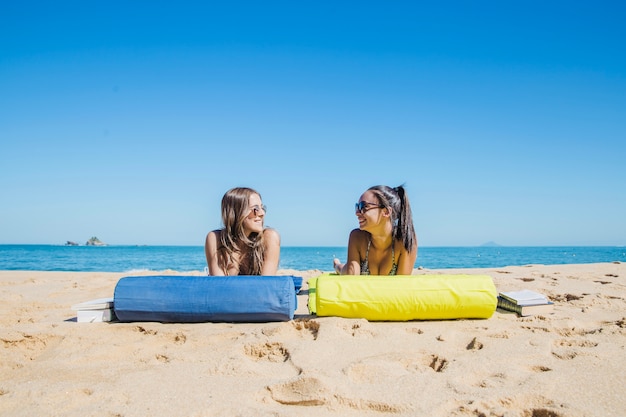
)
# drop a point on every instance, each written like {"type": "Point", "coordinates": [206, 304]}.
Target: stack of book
{"type": "Point", "coordinates": [525, 302]}
{"type": "Point", "coordinates": [95, 311]}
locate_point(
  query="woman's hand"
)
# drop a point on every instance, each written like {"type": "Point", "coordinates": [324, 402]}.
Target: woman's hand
{"type": "Point", "coordinates": [338, 266]}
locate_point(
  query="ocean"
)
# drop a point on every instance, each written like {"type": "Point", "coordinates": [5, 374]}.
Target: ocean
{"type": "Point", "coordinates": [191, 258]}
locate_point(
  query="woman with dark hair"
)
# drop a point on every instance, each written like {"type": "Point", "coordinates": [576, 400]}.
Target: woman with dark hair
{"type": "Point", "coordinates": [385, 242]}
{"type": "Point", "coordinates": [244, 246]}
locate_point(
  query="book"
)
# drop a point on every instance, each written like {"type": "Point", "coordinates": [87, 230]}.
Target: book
{"type": "Point", "coordinates": [525, 310]}
{"type": "Point", "coordinates": [98, 304]}
{"type": "Point", "coordinates": [93, 311]}
{"type": "Point", "coordinates": [525, 297]}
{"type": "Point", "coordinates": [95, 316]}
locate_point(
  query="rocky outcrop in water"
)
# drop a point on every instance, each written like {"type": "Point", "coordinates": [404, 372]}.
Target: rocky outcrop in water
{"type": "Point", "coordinates": [94, 241]}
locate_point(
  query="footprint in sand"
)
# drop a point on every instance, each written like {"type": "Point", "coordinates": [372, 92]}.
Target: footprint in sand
{"type": "Point", "coordinates": [568, 332]}
{"type": "Point", "coordinates": [178, 338]}
{"type": "Point", "coordinates": [390, 367]}
{"type": "Point", "coordinates": [505, 405]}
{"type": "Point", "coordinates": [566, 298]}
{"type": "Point", "coordinates": [305, 328]}
{"type": "Point", "coordinates": [273, 352]}
{"type": "Point", "coordinates": [309, 391]}
{"type": "Point", "coordinates": [303, 391]}
{"type": "Point", "coordinates": [564, 354]}
{"type": "Point", "coordinates": [357, 328]}
{"type": "Point", "coordinates": [438, 364]}
{"type": "Point", "coordinates": [575, 343]}
{"type": "Point", "coordinates": [162, 358]}
{"type": "Point", "coordinates": [569, 349]}
{"type": "Point", "coordinates": [474, 345]}
{"type": "Point", "coordinates": [534, 329]}
{"type": "Point", "coordinates": [143, 330]}
{"type": "Point", "coordinates": [307, 325]}
{"type": "Point", "coordinates": [29, 346]}
{"type": "Point", "coordinates": [494, 380]}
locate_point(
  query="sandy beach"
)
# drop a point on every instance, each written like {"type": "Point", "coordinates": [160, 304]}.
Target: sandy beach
{"type": "Point", "coordinates": [569, 363]}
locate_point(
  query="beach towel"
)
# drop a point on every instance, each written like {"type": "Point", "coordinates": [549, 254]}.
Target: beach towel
{"type": "Point", "coordinates": [402, 298]}
{"type": "Point", "coordinates": [206, 298]}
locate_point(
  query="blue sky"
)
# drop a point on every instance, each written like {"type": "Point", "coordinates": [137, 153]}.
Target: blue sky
{"type": "Point", "coordinates": [128, 121]}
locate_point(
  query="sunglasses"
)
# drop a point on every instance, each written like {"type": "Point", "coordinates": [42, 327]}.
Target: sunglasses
{"type": "Point", "coordinates": [361, 206]}
{"type": "Point", "coordinates": [257, 209]}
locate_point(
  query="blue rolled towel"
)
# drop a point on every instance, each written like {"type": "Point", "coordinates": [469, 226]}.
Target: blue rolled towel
{"type": "Point", "coordinates": [194, 299]}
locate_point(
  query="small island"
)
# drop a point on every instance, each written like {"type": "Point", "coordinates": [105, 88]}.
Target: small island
{"type": "Point", "coordinates": [491, 244]}
{"type": "Point", "coordinates": [94, 241]}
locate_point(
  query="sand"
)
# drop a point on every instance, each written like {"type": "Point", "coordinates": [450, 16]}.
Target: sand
{"type": "Point", "coordinates": [570, 363]}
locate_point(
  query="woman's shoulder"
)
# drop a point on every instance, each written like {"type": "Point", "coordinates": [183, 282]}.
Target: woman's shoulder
{"type": "Point", "coordinates": [212, 239]}
{"type": "Point", "coordinates": [214, 234]}
{"type": "Point", "coordinates": [358, 235]}
{"type": "Point", "coordinates": [271, 235]}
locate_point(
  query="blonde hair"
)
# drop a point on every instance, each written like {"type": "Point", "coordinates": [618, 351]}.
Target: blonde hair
{"type": "Point", "coordinates": [235, 209]}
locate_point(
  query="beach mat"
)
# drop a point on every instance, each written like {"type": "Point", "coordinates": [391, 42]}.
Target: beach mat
{"type": "Point", "coordinates": [403, 298]}
{"type": "Point", "coordinates": [194, 299]}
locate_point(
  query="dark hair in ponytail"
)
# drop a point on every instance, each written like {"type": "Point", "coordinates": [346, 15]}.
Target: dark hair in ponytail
{"type": "Point", "coordinates": [396, 200]}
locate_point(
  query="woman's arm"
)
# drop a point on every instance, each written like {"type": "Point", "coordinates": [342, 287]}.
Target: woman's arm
{"type": "Point", "coordinates": [271, 240]}
{"type": "Point", "coordinates": [406, 260]}
{"type": "Point", "coordinates": [210, 251]}
{"type": "Point", "coordinates": [353, 265]}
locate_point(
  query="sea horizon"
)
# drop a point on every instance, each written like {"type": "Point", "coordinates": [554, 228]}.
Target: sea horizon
{"type": "Point", "coordinates": [129, 258]}
{"type": "Point", "coordinates": [325, 246]}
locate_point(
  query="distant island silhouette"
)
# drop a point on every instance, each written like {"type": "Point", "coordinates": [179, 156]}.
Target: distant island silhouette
{"type": "Point", "coordinates": [492, 244]}
{"type": "Point", "coordinates": [94, 241]}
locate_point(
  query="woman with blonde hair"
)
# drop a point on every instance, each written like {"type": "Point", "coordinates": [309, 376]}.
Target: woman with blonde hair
{"type": "Point", "coordinates": [244, 246]}
{"type": "Point", "coordinates": [385, 242]}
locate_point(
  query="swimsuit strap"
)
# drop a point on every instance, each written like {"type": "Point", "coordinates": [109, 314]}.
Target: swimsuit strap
{"type": "Point", "coordinates": [394, 265]}
{"type": "Point", "coordinates": [365, 270]}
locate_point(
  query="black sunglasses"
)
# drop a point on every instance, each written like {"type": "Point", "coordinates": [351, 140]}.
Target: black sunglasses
{"type": "Point", "coordinates": [361, 206]}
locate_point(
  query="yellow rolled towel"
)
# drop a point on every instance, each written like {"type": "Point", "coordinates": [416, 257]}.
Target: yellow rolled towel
{"type": "Point", "coordinates": [403, 298]}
